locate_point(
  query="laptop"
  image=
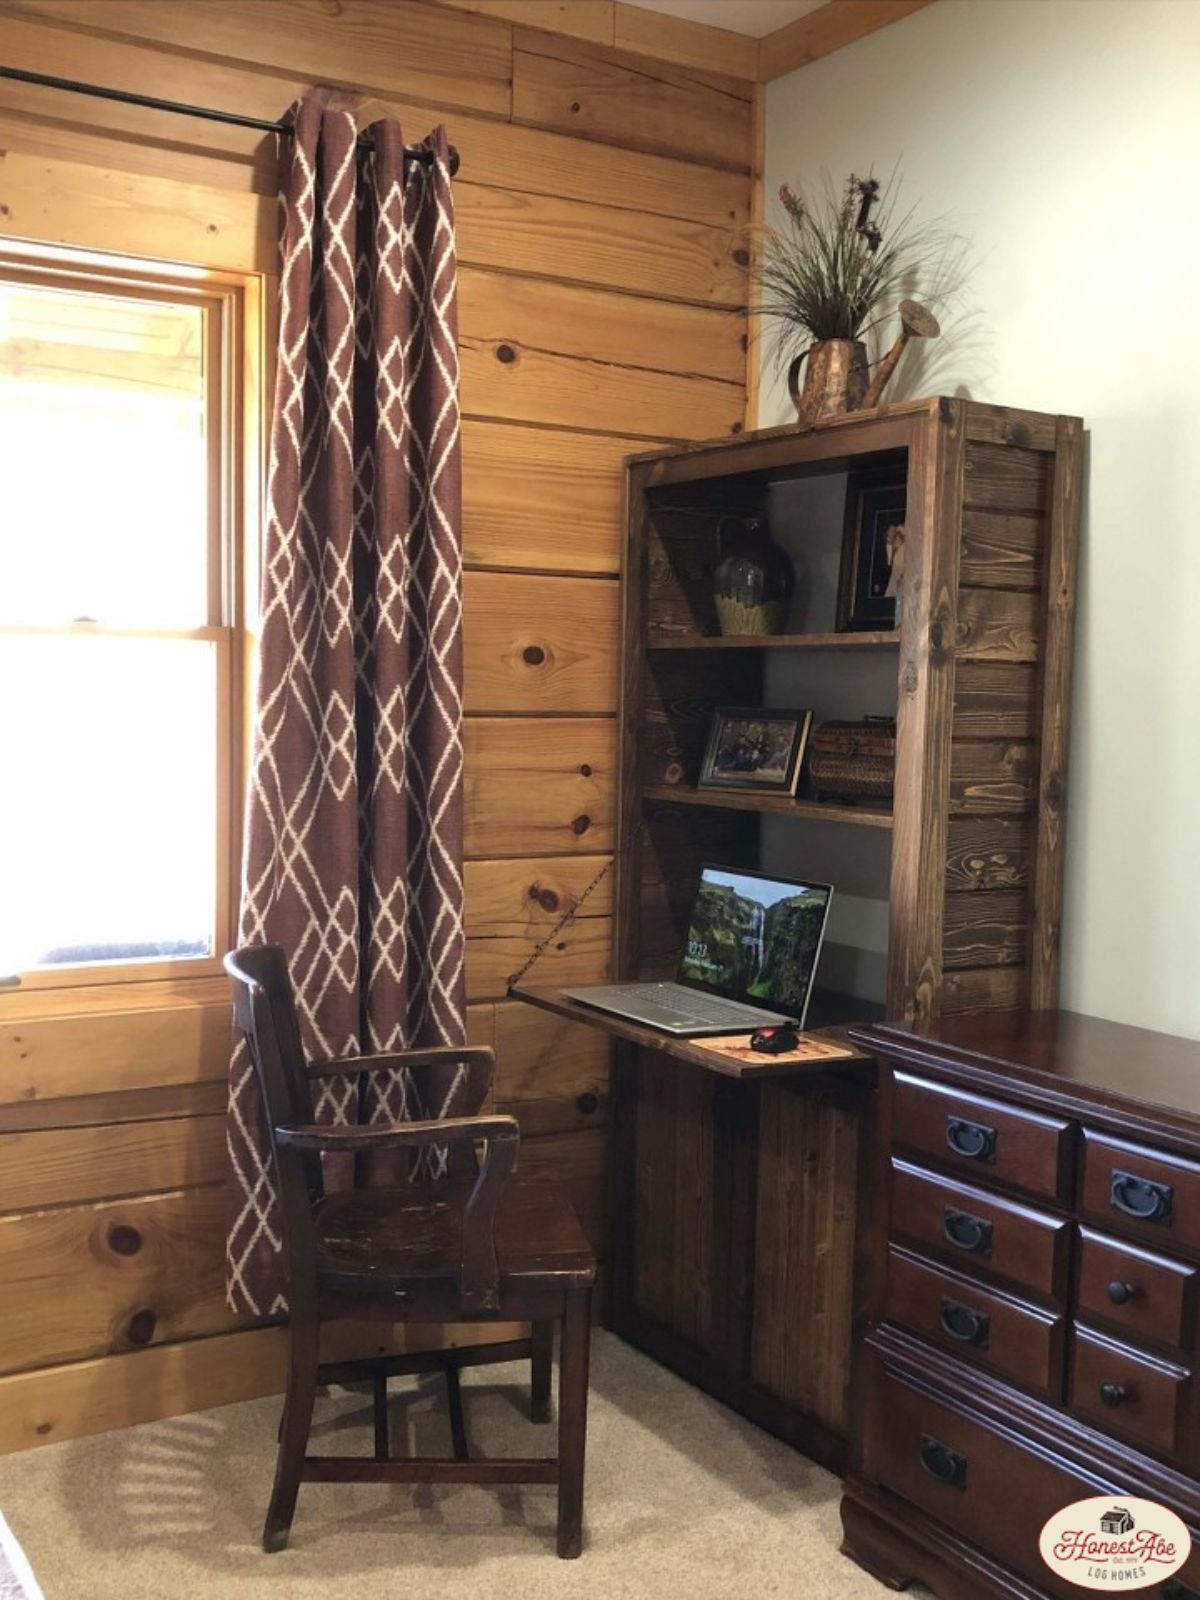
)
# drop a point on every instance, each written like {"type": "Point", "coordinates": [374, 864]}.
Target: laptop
{"type": "Point", "coordinates": [749, 961]}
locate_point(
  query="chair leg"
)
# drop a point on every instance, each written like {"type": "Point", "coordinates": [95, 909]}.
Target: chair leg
{"type": "Point", "coordinates": [379, 1406]}
{"type": "Point", "coordinates": [293, 1437]}
{"type": "Point", "coordinates": [541, 1339]}
{"type": "Point", "coordinates": [572, 1419]}
{"type": "Point", "coordinates": [454, 1404]}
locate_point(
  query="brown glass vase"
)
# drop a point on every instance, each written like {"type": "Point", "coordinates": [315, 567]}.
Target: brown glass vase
{"type": "Point", "coordinates": [752, 586]}
{"type": "Point", "coordinates": [835, 380]}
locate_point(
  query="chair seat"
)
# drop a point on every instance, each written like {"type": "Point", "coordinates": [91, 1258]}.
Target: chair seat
{"type": "Point", "coordinates": [382, 1240]}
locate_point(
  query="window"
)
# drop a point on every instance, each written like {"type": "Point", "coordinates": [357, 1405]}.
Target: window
{"type": "Point", "coordinates": [120, 621]}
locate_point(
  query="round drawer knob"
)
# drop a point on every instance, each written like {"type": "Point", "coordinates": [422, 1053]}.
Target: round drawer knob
{"type": "Point", "coordinates": [1119, 1292]}
{"type": "Point", "coordinates": [1112, 1393]}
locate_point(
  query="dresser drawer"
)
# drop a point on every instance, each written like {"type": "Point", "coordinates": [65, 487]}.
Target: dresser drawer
{"type": "Point", "coordinates": [979, 1231]}
{"type": "Point", "coordinates": [982, 1138]}
{"type": "Point", "coordinates": [984, 1487]}
{"type": "Point", "coordinates": [1126, 1392]}
{"type": "Point", "coordinates": [1015, 1340]}
{"type": "Point", "coordinates": [1146, 1193]}
{"type": "Point", "coordinates": [1147, 1296]}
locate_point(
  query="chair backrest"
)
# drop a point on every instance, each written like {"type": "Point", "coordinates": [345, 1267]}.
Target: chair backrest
{"type": "Point", "coordinates": [265, 1014]}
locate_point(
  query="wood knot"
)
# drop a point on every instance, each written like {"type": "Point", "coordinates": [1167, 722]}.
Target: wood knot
{"type": "Point", "coordinates": [125, 1240]}
{"type": "Point", "coordinates": [585, 771]}
{"type": "Point", "coordinates": [141, 1326]}
{"type": "Point", "coordinates": [581, 824]}
{"type": "Point", "coordinates": [546, 898]}
{"type": "Point", "coordinates": [575, 106]}
{"type": "Point", "coordinates": [43, 1427]}
{"type": "Point", "coordinates": [506, 354]}
{"type": "Point", "coordinates": [533, 655]}
{"type": "Point", "coordinates": [587, 1104]}
{"type": "Point", "coordinates": [736, 428]}
{"type": "Point", "coordinates": [742, 257]}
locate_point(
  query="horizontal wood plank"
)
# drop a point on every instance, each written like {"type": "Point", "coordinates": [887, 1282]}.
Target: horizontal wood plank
{"type": "Point", "coordinates": [544, 499]}
{"type": "Point", "coordinates": [682, 41]}
{"type": "Point", "coordinates": [91, 1280]}
{"type": "Point", "coordinates": [513, 905]}
{"type": "Point", "coordinates": [69, 1165]}
{"type": "Point", "coordinates": [581, 19]}
{"type": "Point", "coordinates": [539, 644]}
{"type": "Point", "coordinates": [536, 786]}
{"type": "Point", "coordinates": [1006, 478]}
{"type": "Point", "coordinates": [48, 1057]}
{"type": "Point", "coordinates": [498, 155]}
{"type": "Point", "coordinates": [1002, 549]}
{"type": "Point", "coordinates": [133, 1105]}
{"type": "Point", "coordinates": [985, 930]}
{"type": "Point", "coordinates": [992, 775]}
{"type": "Point", "coordinates": [995, 700]}
{"type": "Point", "coordinates": [996, 625]}
{"type": "Point", "coordinates": [552, 1075]}
{"type": "Point", "coordinates": [988, 853]}
{"type": "Point", "coordinates": [446, 57]}
{"type": "Point", "coordinates": [621, 99]}
{"type": "Point", "coordinates": [985, 989]}
{"type": "Point", "coordinates": [169, 1380]}
{"type": "Point", "coordinates": [624, 331]}
{"type": "Point", "coordinates": [668, 257]}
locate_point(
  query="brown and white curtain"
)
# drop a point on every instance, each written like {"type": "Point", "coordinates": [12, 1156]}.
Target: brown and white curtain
{"type": "Point", "coordinates": [354, 814]}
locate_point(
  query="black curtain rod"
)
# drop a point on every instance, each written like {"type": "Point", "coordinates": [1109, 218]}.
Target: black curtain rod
{"type": "Point", "coordinates": [206, 113]}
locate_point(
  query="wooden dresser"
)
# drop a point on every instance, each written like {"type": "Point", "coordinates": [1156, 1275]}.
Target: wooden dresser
{"type": "Point", "coordinates": [1033, 1335]}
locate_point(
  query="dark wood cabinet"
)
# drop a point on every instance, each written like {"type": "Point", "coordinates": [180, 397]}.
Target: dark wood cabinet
{"type": "Point", "coordinates": [1046, 1351]}
{"type": "Point", "coordinates": [735, 1253]}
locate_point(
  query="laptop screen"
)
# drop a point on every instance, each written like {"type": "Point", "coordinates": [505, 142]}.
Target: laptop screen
{"type": "Point", "coordinates": [755, 938]}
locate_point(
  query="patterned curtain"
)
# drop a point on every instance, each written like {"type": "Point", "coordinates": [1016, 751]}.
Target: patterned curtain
{"type": "Point", "coordinates": [354, 814]}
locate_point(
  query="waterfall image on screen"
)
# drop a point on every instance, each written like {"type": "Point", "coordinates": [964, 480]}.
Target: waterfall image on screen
{"type": "Point", "coordinates": [754, 938]}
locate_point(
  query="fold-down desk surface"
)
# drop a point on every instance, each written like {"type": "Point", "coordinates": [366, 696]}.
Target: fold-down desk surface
{"type": "Point", "coordinates": [690, 1050]}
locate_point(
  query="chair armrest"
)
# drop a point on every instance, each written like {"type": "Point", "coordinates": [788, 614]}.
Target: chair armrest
{"type": "Point", "coordinates": [433, 1056]}
{"type": "Point", "coordinates": [479, 1273]}
{"type": "Point", "coordinates": [323, 1139]}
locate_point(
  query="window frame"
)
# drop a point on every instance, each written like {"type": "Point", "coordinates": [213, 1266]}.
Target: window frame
{"type": "Point", "coordinates": [233, 330]}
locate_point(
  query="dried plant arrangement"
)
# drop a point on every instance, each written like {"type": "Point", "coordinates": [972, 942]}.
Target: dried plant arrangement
{"type": "Point", "coordinates": [830, 274]}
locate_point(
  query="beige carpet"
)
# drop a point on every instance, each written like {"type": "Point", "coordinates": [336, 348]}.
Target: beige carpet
{"type": "Point", "coordinates": [685, 1502]}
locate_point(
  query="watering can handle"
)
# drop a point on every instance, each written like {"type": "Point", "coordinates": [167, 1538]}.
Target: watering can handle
{"type": "Point", "coordinates": [793, 376]}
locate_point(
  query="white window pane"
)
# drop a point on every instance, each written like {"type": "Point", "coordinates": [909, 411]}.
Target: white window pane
{"type": "Point", "coordinates": [107, 800]}
{"type": "Point", "coordinates": [105, 492]}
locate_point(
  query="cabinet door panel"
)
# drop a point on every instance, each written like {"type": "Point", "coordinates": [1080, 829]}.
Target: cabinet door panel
{"type": "Point", "coordinates": [672, 1239]}
{"type": "Point", "coordinates": [804, 1248]}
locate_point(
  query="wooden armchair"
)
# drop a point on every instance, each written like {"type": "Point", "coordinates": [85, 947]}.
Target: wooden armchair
{"type": "Point", "coordinates": [482, 1243]}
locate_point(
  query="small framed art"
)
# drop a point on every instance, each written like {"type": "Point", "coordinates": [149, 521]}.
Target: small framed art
{"type": "Point", "coordinates": [756, 751]}
{"type": "Point", "coordinates": [872, 550]}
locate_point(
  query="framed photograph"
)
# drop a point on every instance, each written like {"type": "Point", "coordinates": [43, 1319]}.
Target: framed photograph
{"type": "Point", "coordinates": [872, 550]}
{"type": "Point", "coordinates": [757, 751]}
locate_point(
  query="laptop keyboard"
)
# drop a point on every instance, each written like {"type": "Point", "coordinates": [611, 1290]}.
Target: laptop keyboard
{"type": "Point", "coordinates": [698, 1007]}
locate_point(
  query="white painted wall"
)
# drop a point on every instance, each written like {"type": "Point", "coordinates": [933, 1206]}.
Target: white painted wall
{"type": "Point", "coordinates": [1064, 137]}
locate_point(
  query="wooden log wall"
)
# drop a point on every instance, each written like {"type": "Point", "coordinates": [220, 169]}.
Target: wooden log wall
{"type": "Point", "coordinates": [602, 273]}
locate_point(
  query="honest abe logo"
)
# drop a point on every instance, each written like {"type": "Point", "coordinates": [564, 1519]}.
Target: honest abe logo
{"type": "Point", "coordinates": [1120, 1543]}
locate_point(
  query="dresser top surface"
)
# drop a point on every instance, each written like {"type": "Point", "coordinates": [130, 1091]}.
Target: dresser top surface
{"type": "Point", "coordinates": [1059, 1051]}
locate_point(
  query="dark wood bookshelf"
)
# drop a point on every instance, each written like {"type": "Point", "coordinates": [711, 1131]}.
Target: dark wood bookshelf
{"type": "Point", "coordinates": [735, 1216]}
{"type": "Point", "coordinates": [770, 805]}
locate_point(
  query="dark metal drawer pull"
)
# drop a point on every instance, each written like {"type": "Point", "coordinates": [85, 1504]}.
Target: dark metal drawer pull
{"type": "Point", "coordinates": [1119, 1292]}
{"type": "Point", "coordinates": [960, 1228]}
{"type": "Point", "coordinates": [971, 1139]}
{"type": "Point", "coordinates": [942, 1463]}
{"type": "Point", "coordinates": [1141, 1197]}
{"type": "Point", "coordinates": [1113, 1394]}
{"type": "Point", "coordinates": [964, 1323]}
